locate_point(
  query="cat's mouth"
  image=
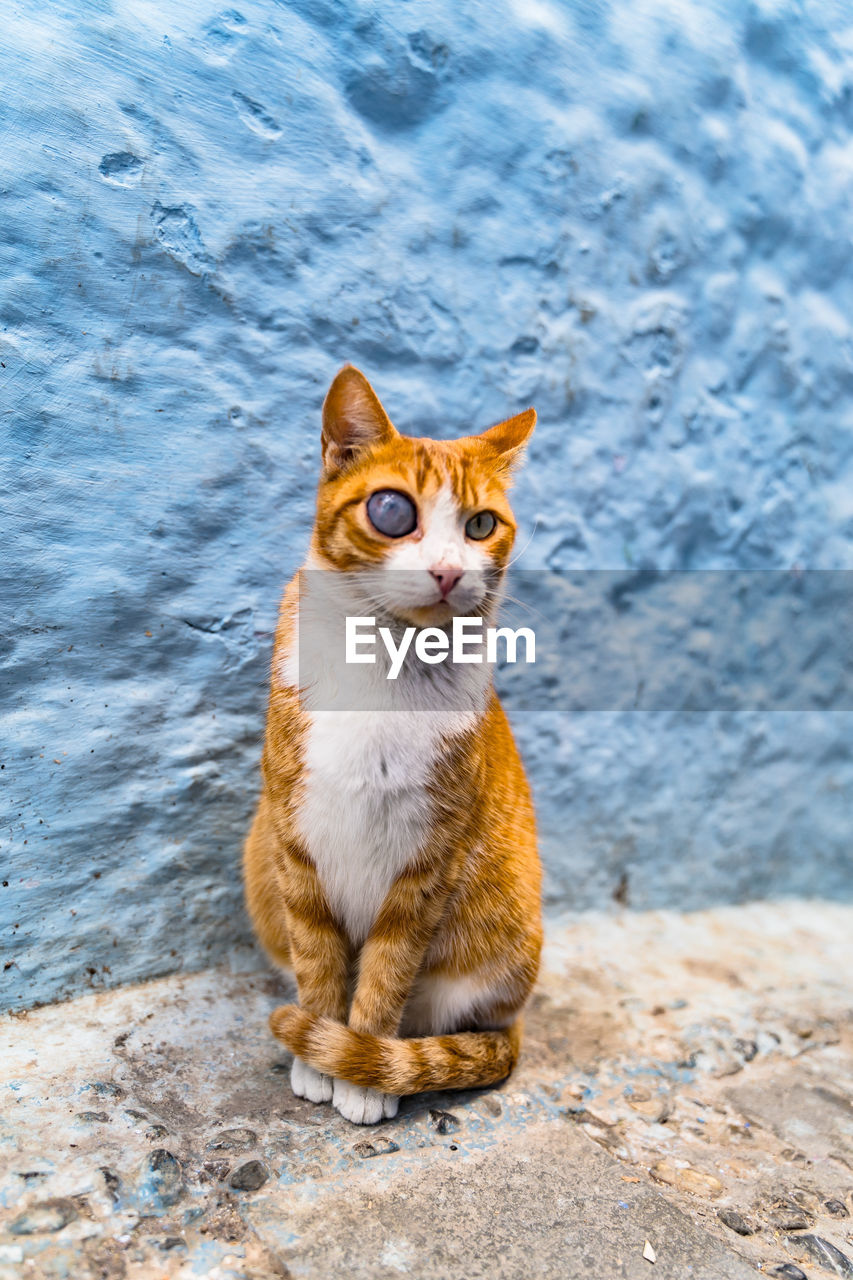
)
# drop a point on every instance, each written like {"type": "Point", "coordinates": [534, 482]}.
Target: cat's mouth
{"type": "Point", "coordinates": [439, 612]}
{"type": "Point", "coordinates": [410, 597]}
{"type": "Point", "coordinates": [429, 615]}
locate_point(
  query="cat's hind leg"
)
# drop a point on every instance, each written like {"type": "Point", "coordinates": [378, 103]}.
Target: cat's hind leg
{"type": "Point", "coordinates": [263, 889]}
{"type": "Point", "coordinates": [266, 907]}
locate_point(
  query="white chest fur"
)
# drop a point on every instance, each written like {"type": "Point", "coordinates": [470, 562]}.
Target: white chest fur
{"type": "Point", "coordinates": [366, 810]}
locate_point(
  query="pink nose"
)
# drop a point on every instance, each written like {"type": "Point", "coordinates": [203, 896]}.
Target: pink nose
{"type": "Point", "coordinates": [446, 579]}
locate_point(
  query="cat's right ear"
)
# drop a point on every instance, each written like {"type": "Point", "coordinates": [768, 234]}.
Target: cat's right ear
{"type": "Point", "coordinates": [353, 419]}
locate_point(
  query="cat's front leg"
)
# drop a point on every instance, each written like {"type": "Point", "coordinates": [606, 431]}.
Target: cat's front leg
{"type": "Point", "coordinates": [395, 947]}
{"type": "Point", "coordinates": [363, 1106]}
{"type": "Point", "coordinates": [390, 959]}
{"type": "Point", "coordinates": [307, 1082]}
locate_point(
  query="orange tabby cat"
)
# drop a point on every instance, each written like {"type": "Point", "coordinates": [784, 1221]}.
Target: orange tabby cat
{"type": "Point", "coordinates": [392, 860]}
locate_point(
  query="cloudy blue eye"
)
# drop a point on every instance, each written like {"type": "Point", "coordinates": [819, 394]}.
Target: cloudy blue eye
{"type": "Point", "coordinates": [392, 513]}
{"type": "Point", "coordinates": [480, 525]}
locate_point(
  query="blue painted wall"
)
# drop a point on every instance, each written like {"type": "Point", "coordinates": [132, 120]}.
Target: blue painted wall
{"type": "Point", "coordinates": [634, 216]}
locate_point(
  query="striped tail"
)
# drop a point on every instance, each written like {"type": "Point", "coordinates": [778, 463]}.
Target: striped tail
{"type": "Point", "coordinates": [465, 1060]}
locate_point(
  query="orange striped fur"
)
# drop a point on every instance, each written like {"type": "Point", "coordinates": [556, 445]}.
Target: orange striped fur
{"type": "Point", "coordinates": [392, 860]}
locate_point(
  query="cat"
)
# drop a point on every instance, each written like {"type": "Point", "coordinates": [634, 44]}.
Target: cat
{"type": "Point", "coordinates": [392, 861]}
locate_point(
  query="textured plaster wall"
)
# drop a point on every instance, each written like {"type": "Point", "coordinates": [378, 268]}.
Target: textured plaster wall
{"type": "Point", "coordinates": [634, 215]}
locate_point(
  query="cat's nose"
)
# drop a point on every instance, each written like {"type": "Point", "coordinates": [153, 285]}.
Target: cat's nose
{"type": "Point", "coordinates": [446, 579]}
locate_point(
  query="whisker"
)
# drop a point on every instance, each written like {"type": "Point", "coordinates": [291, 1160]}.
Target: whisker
{"type": "Point", "coordinates": [522, 604]}
{"type": "Point", "coordinates": [527, 543]}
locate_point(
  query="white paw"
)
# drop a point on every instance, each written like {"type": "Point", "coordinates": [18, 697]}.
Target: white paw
{"type": "Point", "coordinates": [363, 1106]}
{"type": "Point", "coordinates": [308, 1083]}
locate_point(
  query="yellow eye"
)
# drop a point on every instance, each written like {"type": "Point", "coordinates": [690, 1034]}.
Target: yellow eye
{"type": "Point", "coordinates": [480, 525]}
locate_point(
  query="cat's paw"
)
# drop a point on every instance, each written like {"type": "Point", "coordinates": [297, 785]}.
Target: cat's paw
{"type": "Point", "coordinates": [306, 1082]}
{"type": "Point", "coordinates": [363, 1106]}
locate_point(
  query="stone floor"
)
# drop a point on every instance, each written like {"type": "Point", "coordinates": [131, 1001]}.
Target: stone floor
{"type": "Point", "coordinates": [683, 1108]}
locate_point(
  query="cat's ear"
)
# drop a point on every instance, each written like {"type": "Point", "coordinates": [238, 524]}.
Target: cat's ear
{"type": "Point", "coordinates": [508, 438]}
{"type": "Point", "coordinates": [353, 419]}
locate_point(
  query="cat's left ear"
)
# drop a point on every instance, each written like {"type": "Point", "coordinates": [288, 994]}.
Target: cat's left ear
{"type": "Point", "coordinates": [508, 438]}
{"type": "Point", "coordinates": [353, 419]}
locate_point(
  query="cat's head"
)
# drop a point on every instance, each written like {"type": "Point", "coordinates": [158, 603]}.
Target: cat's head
{"type": "Point", "coordinates": [425, 524]}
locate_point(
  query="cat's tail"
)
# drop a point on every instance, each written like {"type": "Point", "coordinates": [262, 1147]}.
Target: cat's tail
{"type": "Point", "coordinates": [464, 1060]}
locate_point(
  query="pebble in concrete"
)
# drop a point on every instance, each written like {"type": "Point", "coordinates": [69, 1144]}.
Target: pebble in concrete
{"type": "Point", "coordinates": [443, 1121]}
{"type": "Point", "coordinates": [249, 1177]}
{"type": "Point", "coordinates": [160, 1180]}
{"type": "Point", "coordinates": [111, 1182]}
{"type": "Point", "coordinates": [49, 1215]}
{"type": "Point", "coordinates": [655, 1107]}
{"type": "Point", "coordinates": [172, 1242]}
{"type": "Point", "coordinates": [686, 1179]}
{"type": "Point", "coordinates": [736, 1222]}
{"type": "Point", "coordinates": [233, 1140]}
{"type": "Point", "coordinates": [824, 1254]}
{"type": "Point", "coordinates": [366, 1150]}
{"type": "Point", "coordinates": [807, 1200]}
{"type": "Point", "coordinates": [787, 1215]}
{"type": "Point", "coordinates": [105, 1088]}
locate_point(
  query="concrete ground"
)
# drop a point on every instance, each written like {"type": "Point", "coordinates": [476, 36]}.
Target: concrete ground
{"type": "Point", "coordinates": [684, 1107]}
